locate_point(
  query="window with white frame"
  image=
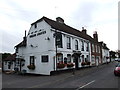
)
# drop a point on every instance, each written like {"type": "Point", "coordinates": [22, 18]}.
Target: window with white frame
{"type": "Point", "coordinates": [93, 59]}
{"type": "Point", "coordinates": [96, 48]}
{"type": "Point", "coordinates": [32, 60]}
{"type": "Point", "coordinates": [60, 58]}
{"type": "Point", "coordinates": [87, 47]}
{"type": "Point", "coordinates": [73, 59]}
{"type": "Point", "coordinates": [45, 58]}
{"type": "Point", "coordinates": [76, 44]}
{"type": "Point", "coordinates": [68, 58]}
{"type": "Point", "coordinates": [99, 49]}
{"type": "Point", "coordinates": [5, 62]}
{"type": "Point", "coordinates": [79, 59]}
{"type": "Point", "coordinates": [93, 48]}
{"type": "Point", "coordinates": [83, 58]}
{"type": "Point", "coordinates": [35, 25]}
{"type": "Point", "coordinates": [68, 43]}
{"type": "Point", "coordinates": [87, 58]}
{"type": "Point", "coordinates": [82, 46]}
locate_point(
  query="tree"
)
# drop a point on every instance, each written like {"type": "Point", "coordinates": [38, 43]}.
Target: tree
{"type": "Point", "coordinates": [5, 55]}
{"type": "Point", "coordinates": [112, 54]}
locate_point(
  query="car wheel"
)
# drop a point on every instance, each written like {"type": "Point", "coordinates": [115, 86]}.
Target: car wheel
{"type": "Point", "coordinates": [115, 74]}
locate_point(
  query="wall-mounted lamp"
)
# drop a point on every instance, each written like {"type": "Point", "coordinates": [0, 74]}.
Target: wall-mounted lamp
{"type": "Point", "coordinates": [31, 45]}
{"type": "Point", "coordinates": [47, 38]}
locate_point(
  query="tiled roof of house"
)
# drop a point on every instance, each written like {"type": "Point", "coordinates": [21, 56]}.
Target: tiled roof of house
{"type": "Point", "coordinates": [21, 44]}
{"type": "Point", "coordinates": [10, 57]}
{"type": "Point", "coordinates": [104, 45]}
{"type": "Point", "coordinates": [65, 28]}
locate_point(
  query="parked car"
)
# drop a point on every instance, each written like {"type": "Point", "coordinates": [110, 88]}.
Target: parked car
{"type": "Point", "coordinates": [117, 59]}
{"type": "Point", "coordinates": [117, 70]}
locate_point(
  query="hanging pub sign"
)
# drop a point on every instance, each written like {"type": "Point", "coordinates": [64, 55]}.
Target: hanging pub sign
{"type": "Point", "coordinates": [59, 39]}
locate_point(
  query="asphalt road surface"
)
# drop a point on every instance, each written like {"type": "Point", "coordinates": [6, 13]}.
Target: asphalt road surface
{"type": "Point", "coordinates": [95, 77]}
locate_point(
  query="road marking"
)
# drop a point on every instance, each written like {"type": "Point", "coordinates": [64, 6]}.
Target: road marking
{"type": "Point", "coordinates": [85, 85]}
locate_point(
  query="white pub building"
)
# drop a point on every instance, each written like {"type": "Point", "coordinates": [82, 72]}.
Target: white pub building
{"type": "Point", "coordinates": [52, 45]}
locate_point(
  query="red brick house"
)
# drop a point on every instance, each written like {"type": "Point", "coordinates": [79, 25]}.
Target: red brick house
{"type": "Point", "coordinates": [96, 50]}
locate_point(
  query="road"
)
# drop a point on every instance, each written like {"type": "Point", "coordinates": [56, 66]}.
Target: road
{"type": "Point", "coordinates": [95, 77]}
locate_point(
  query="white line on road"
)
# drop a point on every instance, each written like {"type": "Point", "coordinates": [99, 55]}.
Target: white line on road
{"type": "Point", "coordinates": [85, 85]}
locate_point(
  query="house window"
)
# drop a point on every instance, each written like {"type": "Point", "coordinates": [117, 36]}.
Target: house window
{"type": "Point", "coordinates": [35, 25]}
{"type": "Point", "coordinates": [87, 47]}
{"type": "Point", "coordinates": [87, 58]}
{"type": "Point", "coordinates": [93, 48]}
{"type": "Point", "coordinates": [68, 43]}
{"type": "Point", "coordinates": [83, 58]}
{"type": "Point", "coordinates": [16, 50]}
{"type": "Point", "coordinates": [65, 60]}
{"type": "Point", "coordinates": [44, 58]}
{"type": "Point", "coordinates": [96, 48]}
{"type": "Point", "coordinates": [5, 62]}
{"type": "Point", "coordinates": [9, 65]}
{"type": "Point", "coordinates": [60, 57]}
{"type": "Point", "coordinates": [82, 46]}
{"type": "Point", "coordinates": [32, 60]}
{"type": "Point", "coordinates": [99, 49]}
{"type": "Point", "coordinates": [79, 59]}
{"type": "Point", "coordinates": [73, 59]}
{"type": "Point", "coordinates": [76, 45]}
{"type": "Point", "coordinates": [93, 59]}
{"type": "Point", "coordinates": [68, 58]}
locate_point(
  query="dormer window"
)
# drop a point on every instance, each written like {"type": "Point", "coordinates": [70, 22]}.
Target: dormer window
{"type": "Point", "coordinates": [35, 25]}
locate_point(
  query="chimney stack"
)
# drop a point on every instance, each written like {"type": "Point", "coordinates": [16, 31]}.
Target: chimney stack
{"type": "Point", "coordinates": [25, 38]}
{"type": "Point", "coordinates": [84, 30]}
{"type": "Point", "coordinates": [60, 20]}
{"type": "Point", "coordinates": [95, 36]}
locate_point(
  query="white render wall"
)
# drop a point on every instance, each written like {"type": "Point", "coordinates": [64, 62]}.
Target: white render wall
{"type": "Point", "coordinates": [38, 46]}
{"type": "Point", "coordinates": [5, 64]}
{"type": "Point", "coordinates": [105, 53]}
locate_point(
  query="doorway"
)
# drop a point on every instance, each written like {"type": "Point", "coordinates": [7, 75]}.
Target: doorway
{"type": "Point", "coordinates": [76, 63]}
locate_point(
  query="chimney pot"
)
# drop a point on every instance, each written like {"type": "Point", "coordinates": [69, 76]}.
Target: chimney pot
{"type": "Point", "coordinates": [95, 36]}
{"type": "Point", "coordinates": [82, 28]}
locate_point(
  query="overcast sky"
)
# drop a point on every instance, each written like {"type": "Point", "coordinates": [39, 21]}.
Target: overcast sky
{"type": "Point", "coordinates": [16, 16]}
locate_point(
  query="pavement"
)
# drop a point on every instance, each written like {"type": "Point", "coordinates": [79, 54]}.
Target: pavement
{"type": "Point", "coordinates": [85, 70]}
{"type": "Point", "coordinates": [64, 79]}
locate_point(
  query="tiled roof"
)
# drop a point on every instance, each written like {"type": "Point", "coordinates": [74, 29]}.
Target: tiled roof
{"type": "Point", "coordinates": [65, 28]}
{"type": "Point", "coordinates": [104, 45]}
{"type": "Point", "coordinates": [10, 57]}
{"type": "Point", "coordinates": [21, 44]}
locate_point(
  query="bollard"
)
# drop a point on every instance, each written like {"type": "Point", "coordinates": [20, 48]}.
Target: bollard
{"type": "Point", "coordinates": [73, 71]}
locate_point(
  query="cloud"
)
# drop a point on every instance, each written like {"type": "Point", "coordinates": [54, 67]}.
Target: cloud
{"type": "Point", "coordinates": [17, 15]}
{"type": "Point", "coordinates": [9, 41]}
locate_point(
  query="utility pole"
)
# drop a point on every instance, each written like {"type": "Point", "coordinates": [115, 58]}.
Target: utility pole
{"type": "Point", "coordinates": [56, 47]}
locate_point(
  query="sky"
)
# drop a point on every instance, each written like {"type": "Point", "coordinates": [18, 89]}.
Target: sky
{"type": "Point", "coordinates": [16, 16]}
